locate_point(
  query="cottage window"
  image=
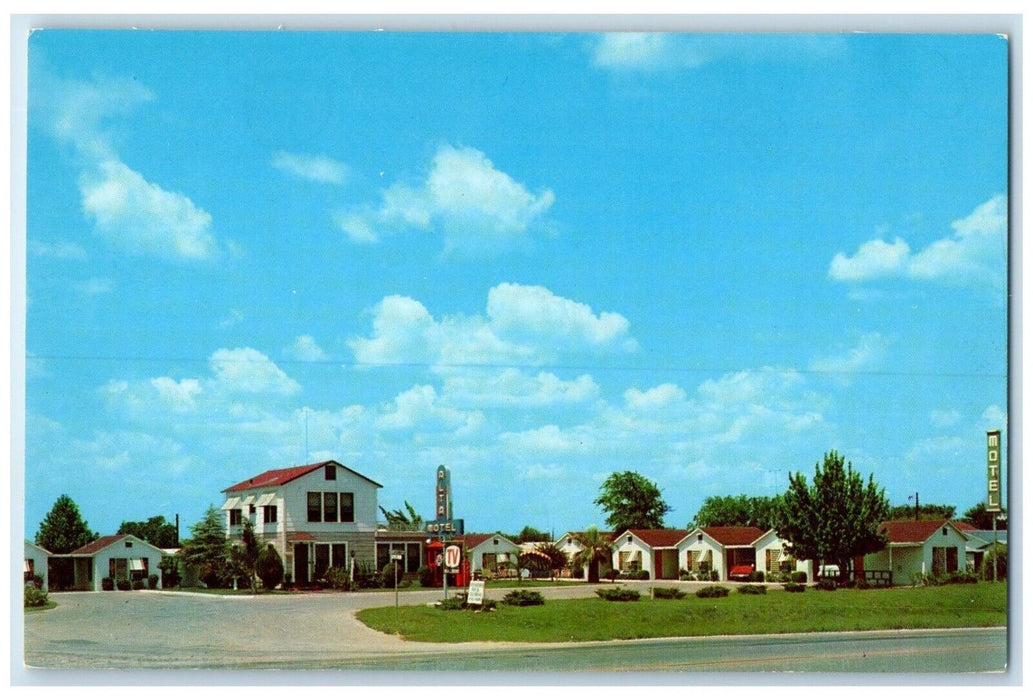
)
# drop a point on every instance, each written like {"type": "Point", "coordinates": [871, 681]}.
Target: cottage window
{"type": "Point", "coordinates": [270, 514]}
{"type": "Point", "coordinates": [329, 507]}
{"type": "Point", "coordinates": [347, 507]}
{"type": "Point", "coordinates": [235, 516]}
{"type": "Point", "coordinates": [315, 507]}
{"type": "Point", "coordinates": [330, 472]}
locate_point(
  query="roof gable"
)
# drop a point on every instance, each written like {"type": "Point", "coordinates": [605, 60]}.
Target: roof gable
{"type": "Point", "coordinates": [474, 540]}
{"type": "Point", "coordinates": [913, 531]}
{"type": "Point", "coordinates": [658, 538]}
{"type": "Point", "coordinates": [734, 536]}
{"type": "Point", "coordinates": [279, 477]}
{"type": "Point", "coordinates": [102, 543]}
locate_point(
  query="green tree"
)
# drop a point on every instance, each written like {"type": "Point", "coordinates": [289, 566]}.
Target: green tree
{"type": "Point", "coordinates": [532, 534]}
{"type": "Point", "coordinates": [244, 556]}
{"type": "Point", "coordinates": [269, 567]}
{"type": "Point", "coordinates": [926, 511]}
{"type": "Point", "coordinates": [156, 530]}
{"type": "Point", "coordinates": [400, 521]}
{"type": "Point", "coordinates": [834, 519]}
{"type": "Point", "coordinates": [207, 550]}
{"type": "Point", "coordinates": [63, 529]}
{"type": "Point", "coordinates": [738, 511]}
{"type": "Point", "coordinates": [557, 557]}
{"type": "Point", "coordinates": [595, 550]}
{"type": "Point", "coordinates": [978, 517]}
{"type": "Point", "coordinates": [631, 501]}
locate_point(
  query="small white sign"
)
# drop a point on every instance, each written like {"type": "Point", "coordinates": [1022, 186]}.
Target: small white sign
{"type": "Point", "coordinates": [452, 556]}
{"type": "Point", "coordinates": [475, 595]}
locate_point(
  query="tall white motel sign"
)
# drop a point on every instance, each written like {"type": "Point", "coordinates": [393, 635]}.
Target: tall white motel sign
{"type": "Point", "coordinates": [993, 471]}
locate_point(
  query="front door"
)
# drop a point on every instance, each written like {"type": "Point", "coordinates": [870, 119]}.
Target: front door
{"type": "Point", "coordinates": [301, 563]}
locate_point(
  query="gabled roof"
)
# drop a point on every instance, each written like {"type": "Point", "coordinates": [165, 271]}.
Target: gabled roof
{"type": "Point", "coordinates": [659, 538]}
{"type": "Point", "coordinates": [279, 477]}
{"type": "Point", "coordinates": [106, 541]}
{"type": "Point", "coordinates": [473, 540]}
{"type": "Point", "coordinates": [576, 535]}
{"type": "Point", "coordinates": [734, 536]}
{"type": "Point", "coordinates": [30, 543]}
{"type": "Point", "coordinates": [912, 531]}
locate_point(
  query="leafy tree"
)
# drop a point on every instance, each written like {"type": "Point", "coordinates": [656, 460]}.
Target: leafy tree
{"type": "Point", "coordinates": [632, 502]}
{"type": "Point", "coordinates": [169, 566]}
{"type": "Point", "coordinates": [996, 557]}
{"type": "Point", "coordinates": [244, 556]}
{"type": "Point", "coordinates": [207, 550]}
{"type": "Point", "coordinates": [595, 550]}
{"type": "Point", "coordinates": [63, 529]}
{"type": "Point", "coordinates": [834, 519]}
{"type": "Point", "coordinates": [738, 511]}
{"type": "Point", "coordinates": [557, 557]}
{"type": "Point", "coordinates": [155, 530]}
{"type": "Point", "coordinates": [269, 567]}
{"type": "Point", "coordinates": [926, 511]}
{"type": "Point", "coordinates": [399, 521]}
{"type": "Point", "coordinates": [531, 534]}
{"type": "Point", "coordinates": [978, 517]}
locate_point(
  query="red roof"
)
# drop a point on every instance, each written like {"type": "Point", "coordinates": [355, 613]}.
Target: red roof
{"type": "Point", "coordinates": [474, 539]}
{"type": "Point", "coordinates": [900, 531]}
{"type": "Point", "coordinates": [660, 538]}
{"type": "Point", "coordinates": [279, 477]}
{"type": "Point", "coordinates": [963, 526]}
{"type": "Point", "coordinates": [98, 544]}
{"type": "Point", "coordinates": [733, 536]}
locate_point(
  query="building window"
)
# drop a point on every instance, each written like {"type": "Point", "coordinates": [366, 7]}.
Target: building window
{"type": "Point", "coordinates": [129, 545]}
{"type": "Point", "coordinates": [347, 507]}
{"type": "Point", "coordinates": [330, 472]}
{"type": "Point", "coordinates": [315, 506]}
{"type": "Point", "coordinates": [234, 516]}
{"type": "Point", "coordinates": [270, 514]}
{"type": "Point", "coordinates": [945, 560]}
{"type": "Point", "coordinates": [329, 507]}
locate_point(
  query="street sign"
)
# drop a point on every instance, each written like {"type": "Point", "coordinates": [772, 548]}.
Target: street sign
{"type": "Point", "coordinates": [452, 556]}
{"type": "Point", "coordinates": [475, 594]}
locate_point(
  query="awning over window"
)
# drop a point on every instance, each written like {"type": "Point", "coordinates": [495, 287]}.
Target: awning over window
{"type": "Point", "coordinates": [265, 499]}
{"type": "Point", "coordinates": [231, 503]}
{"type": "Point", "coordinates": [706, 555]}
{"type": "Point", "coordinates": [247, 501]}
{"type": "Point", "coordinates": [783, 555]}
{"type": "Point", "coordinates": [136, 565]}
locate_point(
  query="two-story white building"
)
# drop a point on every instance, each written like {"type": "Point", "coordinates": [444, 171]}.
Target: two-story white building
{"type": "Point", "coordinates": [316, 516]}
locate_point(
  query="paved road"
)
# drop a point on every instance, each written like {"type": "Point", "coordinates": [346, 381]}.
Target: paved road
{"type": "Point", "coordinates": [146, 630]}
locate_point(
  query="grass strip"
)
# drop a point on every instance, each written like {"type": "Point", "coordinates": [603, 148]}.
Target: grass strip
{"type": "Point", "coordinates": [594, 619]}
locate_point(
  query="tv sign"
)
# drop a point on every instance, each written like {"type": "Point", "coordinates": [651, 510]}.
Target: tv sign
{"type": "Point", "coordinates": [993, 471]}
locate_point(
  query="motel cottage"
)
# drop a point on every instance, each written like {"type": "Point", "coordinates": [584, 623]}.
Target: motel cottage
{"type": "Point", "coordinates": [118, 557]}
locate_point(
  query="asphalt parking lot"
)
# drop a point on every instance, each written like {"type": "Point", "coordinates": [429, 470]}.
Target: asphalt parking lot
{"type": "Point", "coordinates": [168, 630]}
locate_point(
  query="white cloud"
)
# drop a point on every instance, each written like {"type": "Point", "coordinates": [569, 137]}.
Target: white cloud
{"type": "Point", "coordinates": [59, 250]}
{"type": "Point", "coordinates": [317, 168]}
{"type": "Point", "coordinates": [524, 325]}
{"type": "Point", "coordinates": [944, 419]}
{"type": "Point", "coordinates": [866, 354]}
{"type": "Point", "coordinates": [419, 408]}
{"type": "Point", "coordinates": [511, 387]}
{"type": "Point", "coordinates": [653, 398]}
{"type": "Point", "coordinates": [976, 252]}
{"type": "Point", "coordinates": [306, 349]}
{"type": "Point", "coordinates": [141, 217]}
{"type": "Point", "coordinates": [95, 286]}
{"type": "Point", "coordinates": [995, 418]}
{"type": "Point", "coordinates": [873, 260]}
{"type": "Point", "coordinates": [179, 396]}
{"type": "Point", "coordinates": [247, 370]}
{"type": "Point", "coordinates": [476, 207]}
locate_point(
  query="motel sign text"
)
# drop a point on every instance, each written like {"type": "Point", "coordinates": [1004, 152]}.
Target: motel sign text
{"type": "Point", "coordinates": [993, 471]}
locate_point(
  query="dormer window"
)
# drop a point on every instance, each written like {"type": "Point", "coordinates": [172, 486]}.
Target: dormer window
{"type": "Point", "coordinates": [330, 472]}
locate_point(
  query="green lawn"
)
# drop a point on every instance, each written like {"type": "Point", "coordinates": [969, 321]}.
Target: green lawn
{"type": "Point", "coordinates": [593, 619]}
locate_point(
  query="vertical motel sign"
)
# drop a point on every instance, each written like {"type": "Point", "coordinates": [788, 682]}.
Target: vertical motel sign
{"type": "Point", "coordinates": [444, 526]}
{"type": "Point", "coordinates": [993, 471]}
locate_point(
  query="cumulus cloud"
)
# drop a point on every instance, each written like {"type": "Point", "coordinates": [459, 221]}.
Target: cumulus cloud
{"type": "Point", "coordinates": [141, 217]}
{"type": "Point", "coordinates": [512, 387]}
{"type": "Point", "coordinates": [656, 397]}
{"type": "Point", "coordinates": [419, 407]}
{"type": "Point", "coordinates": [866, 354]}
{"type": "Point", "coordinates": [58, 250]}
{"type": "Point", "coordinates": [316, 168]}
{"type": "Point", "coordinates": [132, 213]}
{"type": "Point", "coordinates": [476, 207]}
{"type": "Point", "coordinates": [247, 370]}
{"type": "Point", "coordinates": [975, 252]}
{"type": "Point", "coordinates": [306, 349]}
{"type": "Point", "coordinates": [644, 52]}
{"type": "Point", "coordinates": [523, 325]}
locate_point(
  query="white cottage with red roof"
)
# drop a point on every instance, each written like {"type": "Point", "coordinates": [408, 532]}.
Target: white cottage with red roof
{"type": "Point", "coordinates": [118, 557]}
{"type": "Point", "coordinates": [316, 516]}
{"type": "Point", "coordinates": [730, 551]}
{"type": "Point", "coordinates": [918, 547]}
{"type": "Point", "coordinates": [655, 551]}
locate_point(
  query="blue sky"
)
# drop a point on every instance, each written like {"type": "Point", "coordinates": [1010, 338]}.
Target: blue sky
{"type": "Point", "coordinates": [535, 258]}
